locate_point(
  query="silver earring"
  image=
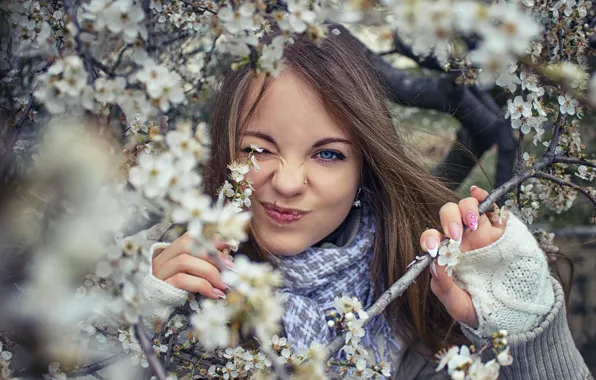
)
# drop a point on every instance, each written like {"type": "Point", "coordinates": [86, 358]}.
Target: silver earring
{"type": "Point", "coordinates": [305, 181]}
{"type": "Point", "coordinates": [357, 202]}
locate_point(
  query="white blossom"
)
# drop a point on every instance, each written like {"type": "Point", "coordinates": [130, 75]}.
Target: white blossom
{"type": "Point", "coordinates": [240, 19]}
{"type": "Point", "coordinates": [567, 104]}
{"type": "Point", "coordinates": [517, 108]}
{"type": "Point", "coordinates": [210, 324]}
{"type": "Point", "coordinates": [153, 174]}
{"type": "Point", "coordinates": [195, 209]}
{"type": "Point", "coordinates": [504, 357]}
{"type": "Point", "coordinates": [300, 15]}
{"type": "Point", "coordinates": [449, 255]}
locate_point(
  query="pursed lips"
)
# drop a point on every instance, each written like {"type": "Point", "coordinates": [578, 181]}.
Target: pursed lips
{"type": "Point", "coordinates": [283, 215]}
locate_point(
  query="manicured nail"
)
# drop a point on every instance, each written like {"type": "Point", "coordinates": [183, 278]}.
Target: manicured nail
{"type": "Point", "coordinates": [227, 262]}
{"type": "Point", "coordinates": [219, 293]}
{"type": "Point", "coordinates": [473, 187]}
{"type": "Point", "coordinates": [432, 245]}
{"type": "Point", "coordinates": [433, 270]}
{"type": "Point", "coordinates": [471, 220]}
{"type": "Point", "coordinates": [454, 231]}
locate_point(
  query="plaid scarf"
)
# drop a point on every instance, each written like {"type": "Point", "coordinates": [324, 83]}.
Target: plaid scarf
{"type": "Point", "coordinates": [313, 278]}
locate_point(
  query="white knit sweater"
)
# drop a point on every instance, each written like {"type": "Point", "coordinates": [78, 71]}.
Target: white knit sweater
{"type": "Point", "coordinates": [510, 286]}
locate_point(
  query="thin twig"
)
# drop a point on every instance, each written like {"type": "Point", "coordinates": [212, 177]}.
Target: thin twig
{"type": "Point", "coordinates": [280, 371]}
{"type": "Point", "coordinates": [384, 300]}
{"type": "Point", "coordinates": [152, 359]}
{"type": "Point", "coordinates": [571, 185]}
{"type": "Point", "coordinates": [520, 162]}
{"type": "Point", "coordinates": [119, 59]}
{"type": "Point", "coordinates": [69, 8]}
{"type": "Point", "coordinates": [573, 160]}
{"type": "Point", "coordinates": [542, 70]}
{"type": "Point", "coordinates": [550, 151]}
{"type": "Point", "coordinates": [97, 366]}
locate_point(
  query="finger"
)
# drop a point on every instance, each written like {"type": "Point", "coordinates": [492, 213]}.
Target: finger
{"type": "Point", "coordinates": [468, 208]}
{"type": "Point", "coordinates": [457, 301]}
{"type": "Point", "coordinates": [430, 240]}
{"type": "Point", "coordinates": [481, 194]}
{"type": "Point", "coordinates": [182, 245]}
{"type": "Point", "coordinates": [221, 245]}
{"type": "Point", "coordinates": [195, 284]}
{"type": "Point", "coordinates": [195, 266]}
{"type": "Point", "coordinates": [451, 220]}
{"type": "Point", "coordinates": [178, 247]}
{"type": "Point", "coordinates": [478, 193]}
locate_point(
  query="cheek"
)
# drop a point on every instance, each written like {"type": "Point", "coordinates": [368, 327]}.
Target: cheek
{"type": "Point", "coordinates": [258, 178]}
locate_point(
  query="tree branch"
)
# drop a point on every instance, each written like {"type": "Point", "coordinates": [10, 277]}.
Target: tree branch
{"type": "Point", "coordinates": [97, 366]}
{"type": "Point", "coordinates": [550, 151]}
{"type": "Point", "coordinates": [69, 9]}
{"type": "Point", "coordinates": [480, 125]}
{"type": "Point", "coordinates": [573, 160]}
{"type": "Point", "coordinates": [571, 185]}
{"type": "Point", "coordinates": [154, 363]}
{"type": "Point", "coordinates": [397, 288]}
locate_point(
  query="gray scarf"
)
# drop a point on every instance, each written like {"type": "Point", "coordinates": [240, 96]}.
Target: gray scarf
{"type": "Point", "coordinates": [313, 278]}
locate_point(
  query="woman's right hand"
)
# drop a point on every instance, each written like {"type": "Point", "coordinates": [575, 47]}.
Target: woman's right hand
{"type": "Point", "coordinates": [179, 268]}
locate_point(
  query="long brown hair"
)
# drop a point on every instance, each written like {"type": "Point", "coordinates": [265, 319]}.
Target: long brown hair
{"type": "Point", "coordinates": [404, 197]}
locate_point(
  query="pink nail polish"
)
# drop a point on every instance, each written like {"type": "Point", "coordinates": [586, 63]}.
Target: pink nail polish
{"type": "Point", "coordinates": [228, 263]}
{"type": "Point", "coordinates": [219, 293]}
{"type": "Point", "coordinates": [471, 220]}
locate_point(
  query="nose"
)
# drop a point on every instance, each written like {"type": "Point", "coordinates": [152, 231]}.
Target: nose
{"type": "Point", "coordinates": [288, 179]}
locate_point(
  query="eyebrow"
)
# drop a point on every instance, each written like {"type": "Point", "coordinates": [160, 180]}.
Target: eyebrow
{"type": "Point", "coordinates": [325, 141]}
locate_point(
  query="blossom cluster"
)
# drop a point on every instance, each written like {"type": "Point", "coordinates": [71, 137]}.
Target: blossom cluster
{"type": "Point", "coordinates": [465, 363]}
{"type": "Point", "coordinates": [349, 318]}
{"type": "Point", "coordinates": [447, 255]}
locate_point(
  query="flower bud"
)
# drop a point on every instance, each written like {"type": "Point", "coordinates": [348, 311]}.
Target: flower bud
{"type": "Point", "coordinates": [349, 316]}
{"type": "Point", "coordinates": [504, 358]}
{"type": "Point", "coordinates": [330, 323]}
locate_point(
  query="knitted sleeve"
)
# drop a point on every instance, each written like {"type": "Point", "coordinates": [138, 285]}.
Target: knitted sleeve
{"type": "Point", "coordinates": [546, 352]}
{"type": "Point", "coordinates": [511, 288]}
{"type": "Point", "coordinates": [158, 298]}
{"type": "Point", "coordinates": [509, 282]}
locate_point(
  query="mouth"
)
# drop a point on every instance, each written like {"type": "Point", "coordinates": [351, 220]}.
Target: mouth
{"type": "Point", "coordinates": [282, 215]}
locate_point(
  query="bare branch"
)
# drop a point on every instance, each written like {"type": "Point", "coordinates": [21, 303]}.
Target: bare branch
{"type": "Point", "coordinates": [571, 185]}
{"type": "Point", "coordinates": [550, 151]}
{"type": "Point", "coordinates": [97, 366]}
{"type": "Point", "coordinates": [154, 363]}
{"type": "Point", "coordinates": [573, 160]}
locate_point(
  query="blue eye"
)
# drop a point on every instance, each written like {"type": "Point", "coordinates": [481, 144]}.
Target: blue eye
{"type": "Point", "coordinates": [330, 155]}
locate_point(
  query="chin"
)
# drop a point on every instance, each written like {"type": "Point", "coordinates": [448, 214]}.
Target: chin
{"type": "Point", "coordinates": [282, 246]}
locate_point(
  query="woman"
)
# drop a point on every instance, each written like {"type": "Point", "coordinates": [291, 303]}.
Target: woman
{"type": "Point", "coordinates": [330, 146]}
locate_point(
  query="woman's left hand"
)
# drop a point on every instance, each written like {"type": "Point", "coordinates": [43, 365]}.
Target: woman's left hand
{"type": "Point", "coordinates": [480, 233]}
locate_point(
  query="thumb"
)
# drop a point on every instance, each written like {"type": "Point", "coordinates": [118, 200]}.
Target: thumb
{"type": "Point", "coordinates": [456, 300]}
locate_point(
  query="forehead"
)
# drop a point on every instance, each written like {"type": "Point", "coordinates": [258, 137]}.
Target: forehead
{"type": "Point", "coordinates": [290, 106]}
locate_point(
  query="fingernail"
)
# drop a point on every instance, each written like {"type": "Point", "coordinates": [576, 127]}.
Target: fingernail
{"type": "Point", "coordinates": [454, 231]}
{"type": "Point", "coordinates": [473, 187]}
{"type": "Point", "coordinates": [228, 262]}
{"type": "Point", "coordinates": [432, 245]}
{"type": "Point", "coordinates": [433, 270]}
{"type": "Point", "coordinates": [471, 220]}
{"type": "Point", "coordinates": [219, 293]}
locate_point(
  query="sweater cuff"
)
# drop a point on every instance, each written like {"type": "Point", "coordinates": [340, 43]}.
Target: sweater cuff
{"type": "Point", "coordinates": [546, 352]}
{"type": "Point", "coordinates": [159, 297]}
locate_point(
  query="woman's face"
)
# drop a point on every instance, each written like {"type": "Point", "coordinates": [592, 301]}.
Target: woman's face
{"type": "Point", "coordinates": [301, 141]}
